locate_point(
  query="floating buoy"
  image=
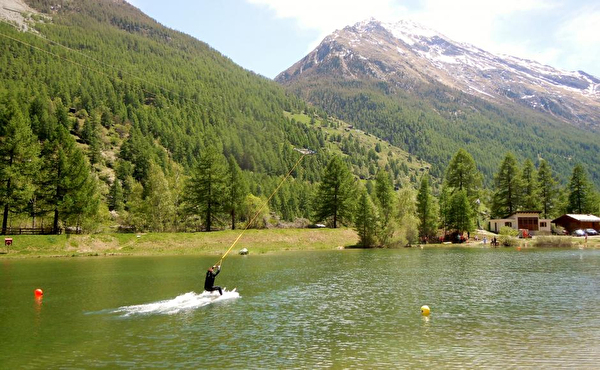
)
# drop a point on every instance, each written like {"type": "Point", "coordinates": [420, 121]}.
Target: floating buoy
{"type": "Point", "coordinates": [425, 310]}
{"type": "Point", "coordinates": [519, 248]}
{"type": "Point", "coordinates": [243, 251]}
{"type": "Point", "coordinates": [38, 292]}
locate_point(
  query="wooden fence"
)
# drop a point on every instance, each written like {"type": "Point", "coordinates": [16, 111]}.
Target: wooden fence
{"type": "Point", "coordinates": [31, 231]}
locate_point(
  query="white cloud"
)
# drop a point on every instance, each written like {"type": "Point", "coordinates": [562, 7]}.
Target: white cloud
{"type": "Point", "coordinates": [328, 15]}
{"type": "Point", "coordinates": [470, 21]}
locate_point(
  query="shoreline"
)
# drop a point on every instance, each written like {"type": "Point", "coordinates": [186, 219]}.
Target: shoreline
{"type": "Point", "coordinates": [216, 243]}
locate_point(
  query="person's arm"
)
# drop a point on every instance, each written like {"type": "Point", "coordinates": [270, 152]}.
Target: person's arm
{"type": "Point", "coordinates": [218, 270]}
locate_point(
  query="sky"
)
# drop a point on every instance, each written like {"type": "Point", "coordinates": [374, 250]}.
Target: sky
{"type": "Point", "coordinates": [269, 36]}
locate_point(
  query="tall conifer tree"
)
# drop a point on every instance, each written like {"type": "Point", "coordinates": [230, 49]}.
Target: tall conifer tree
{"type": "Point", "coordinates": [66, 186]}
{"type": "Point", "coordinates": [507, 188]}
{"type": "Point", "coordinates": [547, 189]}
{"type": "Point", "coordinates": [237, 189]}
{"type": "Point", "coordinates": [334, 199]}
{"type": "Point", "coordinates": [206, 189]}
{"type": "Point", "coordinates": [18, 162]}
{"type": "Point", "coordinates": [581, 193]}
{"type": "Point", "coordinates": [530, 200]}
{"type": "Point", "coordinates": [365, 221]}
{"type": "Point", "coordinates": [426, 210]}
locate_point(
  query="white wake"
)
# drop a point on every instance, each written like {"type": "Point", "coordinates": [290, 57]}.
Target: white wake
{"type": "Point", "coordinates": [185, 302]}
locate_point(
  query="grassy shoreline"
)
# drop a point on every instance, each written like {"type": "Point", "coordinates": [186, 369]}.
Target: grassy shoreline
{"type": "Point", "coordinates": [213, 243]}
{"type": "Point", "coordinates": [210, 244]}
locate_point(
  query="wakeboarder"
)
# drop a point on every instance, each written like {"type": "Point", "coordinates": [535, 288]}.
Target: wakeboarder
{"type": "Point", "coordinates": [209, 283]}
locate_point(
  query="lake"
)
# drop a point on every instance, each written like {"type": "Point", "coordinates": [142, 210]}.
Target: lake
{"type": "Point", "coordinates": [498, 308]}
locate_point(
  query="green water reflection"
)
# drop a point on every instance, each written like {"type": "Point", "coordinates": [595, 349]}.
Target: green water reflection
{"type": "Point", "coordinates": [340, 309]}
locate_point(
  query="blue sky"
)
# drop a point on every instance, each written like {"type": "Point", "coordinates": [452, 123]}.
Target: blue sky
{"type": "Point", "coordinates": [268, 36]}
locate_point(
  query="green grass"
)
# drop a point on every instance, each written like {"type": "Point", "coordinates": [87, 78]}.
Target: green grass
{"type": "Point", "coordinates": [213, 243]}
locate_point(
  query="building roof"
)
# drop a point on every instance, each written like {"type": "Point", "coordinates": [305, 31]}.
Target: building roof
{"type": "Point", "coordinates": [519, 212]}
{"type": "Point", "coordinates": [582, 218]}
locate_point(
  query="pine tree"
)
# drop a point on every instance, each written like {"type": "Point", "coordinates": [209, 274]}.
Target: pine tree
{"type": "Point", "coordinates": [507, 188]}
{"type": "Point", "coordinates": [18, 162]}
{"type": "Point", "coordinates": [161, 208]}
{"type": "Point", "coordinates": [426, 210]}
{"type": "Point", "coordinates": [91, 136]}
{"type": "Point", "coordinates": [237, 189]}
{"type": "Point", "coordinates": [66, 187]}
{"type": "Point", "coordinates": [462, 174]}
{"type": "Point", "coordinates": [365, 220]}
{"type": "Point", "coordinates": [530, 199]}
{"type": "Point", "coordinates": [407, 231]}
{"type": "Point", "coordinates": [384, 194]}
{"type": "Point", "coordinates": [115, 196]}
{"type": "Point", "coordinates": [581, 193]}
{"type": "Point", "coordinates": [334, 198]}
{"type": "Point", "coordinates": [205, 194]}
{"type": "Point", "coordinates": [547, 189]}
{"type": "Point", "coordinates": [137, 207]}
{"type": "Point", "coordinates": [386, 206]}
{"type": "Point", "coordinates": [460, 217]}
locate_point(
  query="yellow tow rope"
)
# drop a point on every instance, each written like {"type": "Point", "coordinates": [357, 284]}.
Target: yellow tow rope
{"type": "Point", "coordinates": [304, 154]}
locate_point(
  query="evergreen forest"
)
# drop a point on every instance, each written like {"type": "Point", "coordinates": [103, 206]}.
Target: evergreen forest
{"type": "Point", "coordinates": [110, 121]}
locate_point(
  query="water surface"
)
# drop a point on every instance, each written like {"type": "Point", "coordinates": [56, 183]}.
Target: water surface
{"type": "Point", "coordinates": [341, 309]}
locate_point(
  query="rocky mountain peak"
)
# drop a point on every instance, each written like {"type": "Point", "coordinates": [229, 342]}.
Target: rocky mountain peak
{"type": "Point", "coordinates": [405, 53]}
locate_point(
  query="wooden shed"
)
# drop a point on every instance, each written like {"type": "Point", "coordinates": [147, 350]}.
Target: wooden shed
{"type": "Point", "coordinates": [573, 222]}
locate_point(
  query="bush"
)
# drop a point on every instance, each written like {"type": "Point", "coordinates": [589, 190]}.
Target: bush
{"type": "Point", "coordinates": [508, 236]}
{"type": "Point", "coordinates": [508, 241]}
{"type": "Point", "coordinates": [552, 242]}
{"type": "Point", "coordinates": [508, 231]}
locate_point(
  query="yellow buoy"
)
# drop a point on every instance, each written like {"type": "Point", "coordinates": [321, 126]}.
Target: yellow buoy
{"type": "Point", "coordinates": [425, 310]}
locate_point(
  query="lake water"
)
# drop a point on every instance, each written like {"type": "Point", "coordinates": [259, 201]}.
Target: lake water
{"type": "Point", "coordinates": [498, 308]}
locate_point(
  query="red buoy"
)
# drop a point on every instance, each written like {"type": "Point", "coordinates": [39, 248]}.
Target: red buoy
{"type": "Point", "coordinates": [38, 292]}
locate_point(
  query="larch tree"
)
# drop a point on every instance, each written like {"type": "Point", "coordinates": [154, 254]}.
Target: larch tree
{"type": "Point", "coordinates": [426, 210]}
{"type": "Point", "coordinates": [530, 199]}
{"type": "Point", "coordinates": [547, 189]}
{"type": "Point", "coordinates": [161, 208]}
{"type": "Point", "coordinates": [507, 188]}
{"type": "Point", "coordinates": [365, 221]}
{"type": "Point", "coordinates": [335, 195]}
{"type": "Point", "coordinates": [206, 188]}
{"type": "Point", "coordinates": [115, 196]}
{"type": "Point", "coordinates": [386, 205]}
{"type": "Point", "coordinates": [19, 151]}
{"type": "Point", "coordinates": [237, 189]}
{"type": "Point", "coordinates": [460, 217]}
{"type": "Point", "coordinates": [461, 176]}
{"type": "Point", "coordinates": [66, 186]}
{"type": "Point", "coordinates": [581, 192]}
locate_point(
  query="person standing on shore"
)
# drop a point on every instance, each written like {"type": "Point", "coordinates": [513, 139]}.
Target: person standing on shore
{"type": "Point", "coordinates": [209, 282]}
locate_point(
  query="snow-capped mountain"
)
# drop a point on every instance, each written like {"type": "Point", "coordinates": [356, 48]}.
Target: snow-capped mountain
{"type": "Point", "coordinates": [406, 54]}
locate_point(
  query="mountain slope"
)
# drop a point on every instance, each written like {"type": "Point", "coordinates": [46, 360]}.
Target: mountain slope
{"type": "Point", "coordinates": [133, 93]}
{"type": "Point", "coordinates": [431, 96]}
{"type": "Point", "coordinates": [406, 53]}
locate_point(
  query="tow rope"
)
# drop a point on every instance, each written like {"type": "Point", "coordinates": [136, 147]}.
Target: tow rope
{"type": "Point", "coordinates": [304, 153]}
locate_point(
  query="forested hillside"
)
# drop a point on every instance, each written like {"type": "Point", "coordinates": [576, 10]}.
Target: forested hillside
{"type": "Point", "coordinates": [144, 104]}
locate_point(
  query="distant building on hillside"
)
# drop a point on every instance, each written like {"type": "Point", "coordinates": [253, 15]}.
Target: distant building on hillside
{"type": "Point", "coordinates": [572, 222]}
{"type": "Point", "coordinates": [525, 220]}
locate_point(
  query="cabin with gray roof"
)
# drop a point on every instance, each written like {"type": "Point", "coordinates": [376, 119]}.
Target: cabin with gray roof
{"type": "Point", "coordinates": [572, 222]}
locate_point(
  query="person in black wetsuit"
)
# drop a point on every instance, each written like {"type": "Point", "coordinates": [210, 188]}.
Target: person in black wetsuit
{"type": "Point", "coordinates": [210, 279]}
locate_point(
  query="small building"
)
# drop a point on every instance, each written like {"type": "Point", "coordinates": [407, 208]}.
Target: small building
{"type": "Point", "coordinates": [526, 220]}
{"type": "Point", "coordinates": [572, 222]}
